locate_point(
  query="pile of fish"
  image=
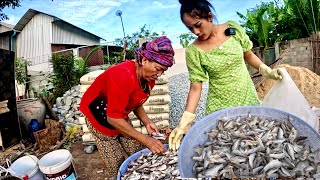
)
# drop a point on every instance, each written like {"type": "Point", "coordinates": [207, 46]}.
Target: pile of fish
{"type": "Point", "coordinates": [152, 166]}
{"type": "Point", "coordinates": [158, 136]}
{"type": "Point", "coordinates": [254, 147]}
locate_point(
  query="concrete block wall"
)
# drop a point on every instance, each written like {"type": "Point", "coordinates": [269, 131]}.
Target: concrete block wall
{"type": "Point", "coordinates": [296, 52]}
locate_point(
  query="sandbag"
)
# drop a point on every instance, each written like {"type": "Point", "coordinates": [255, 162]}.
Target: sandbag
{"type": "Point", "coordinates": [158, 100]}
{"type": "Point", "coordinates": [159, 90]}
{"type": "Point", "coordinates": [87, 137]}
{"type": "Point", "coordinates": [286, 96]}
{"type": "Point", "coordinates": [158, 117]}
{"type": "Point", "coordinates": [85, 128]}
{"type": "Point", "coordinates": [154, 109]}
{"type": "Point", "coordinates": [153, 117]}
{"type": "Point", "coordinates": [83, 88]}
{"type": "Point", "coordinates": [138, 129]}
{"type": "Point", "coordinates": [161, 125]}
{"type": "Point", "coordinates": [162, 80]}
{"type": "Point", "coordinates": [88, 78]}
{"type": "Point", "coordinates": [132, 116]}
{"type": "Point", "coordinates": [136, 123]}
{"type": "Point", "coordinates": [82, 120]}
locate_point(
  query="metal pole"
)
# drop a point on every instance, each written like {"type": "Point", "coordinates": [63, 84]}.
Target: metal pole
{"type": "Point", "coordinates": [122, 27]}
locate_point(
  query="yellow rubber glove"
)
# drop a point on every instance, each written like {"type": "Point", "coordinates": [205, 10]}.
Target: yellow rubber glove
{"type": "Point", "coordinates": [269, 73]}
{"type": "Point", "coordinates": [183, 127]}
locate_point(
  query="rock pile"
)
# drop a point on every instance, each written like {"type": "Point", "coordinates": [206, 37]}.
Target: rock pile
{"type": "Point", "coordinates": [66, 107]}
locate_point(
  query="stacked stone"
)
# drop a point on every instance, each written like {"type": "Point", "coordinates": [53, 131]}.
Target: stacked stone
{"type": "Point", "coordinates": [156, 106]}
{"type": "Point", "coordinates": [67, 106]}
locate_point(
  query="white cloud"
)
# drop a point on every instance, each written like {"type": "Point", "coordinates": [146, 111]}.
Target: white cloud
{"type": "Point", "coordinates": [12, 19]}
{"type": "Point", "coordinates": [82, 12]}
{"type": "Point", "coordinates": [164, 5]}
{"type": "Point", "coordinates": [98, 16]}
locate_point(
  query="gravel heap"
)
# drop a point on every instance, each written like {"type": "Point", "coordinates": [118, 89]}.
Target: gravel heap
{"type": "Point", "coordinates": [66, 107]}
{"type": "Point", "coordinates": [178, 89]}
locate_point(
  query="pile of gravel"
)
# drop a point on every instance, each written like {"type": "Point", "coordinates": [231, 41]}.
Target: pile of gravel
{"type": "Point", "coordinates": [179, 88]}
{"type": "Point", "coordinates": [66, 107]}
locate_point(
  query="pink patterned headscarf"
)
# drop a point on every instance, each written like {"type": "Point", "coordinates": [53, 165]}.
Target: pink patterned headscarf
{"type": "Point", "coordinates": [158, 50]}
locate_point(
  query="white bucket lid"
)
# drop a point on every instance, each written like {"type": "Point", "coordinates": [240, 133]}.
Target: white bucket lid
{"type": "Point", "coordinates": [55, 161]}
{"type": "Point", "coordinates": [26, 165]}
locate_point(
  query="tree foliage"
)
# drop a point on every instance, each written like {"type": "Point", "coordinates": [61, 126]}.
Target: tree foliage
{"type": "Point", "coordinates": [276, 21]}
{"type": "Point", "coordinates": [20, 69]}
{"type": "Point", "coordinates": [185, 39]}
{"type": "Point", "coordinates": [133, 41]}
{"type": "Point", "coordinates": [65, 74]}
{"type": "Point", "coordinates": [7, 3]}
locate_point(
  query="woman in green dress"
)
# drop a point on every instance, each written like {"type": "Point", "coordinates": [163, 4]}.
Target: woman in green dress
{"type": "Point", "coordinates": [218, 55]}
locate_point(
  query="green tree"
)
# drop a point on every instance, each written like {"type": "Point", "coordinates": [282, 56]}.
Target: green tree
{"type": "Point", "coordinates": [185, 39]}
{"type": "Point", "coordinates": [65, 74]}
{"type": "Point", "coordinates": [306, 11]}
{"type": "Point", "coordinates": [281, 20]}
{"type": "Point", "coordinates": [133, 41]}
{"type": "Point", "coordinates": [259, 23]}
{"type": "Point", "coordinates": [7, 3]}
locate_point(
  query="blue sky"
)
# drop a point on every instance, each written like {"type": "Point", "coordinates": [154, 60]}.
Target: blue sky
{"type": "Point", "coordinates": [98, 16]}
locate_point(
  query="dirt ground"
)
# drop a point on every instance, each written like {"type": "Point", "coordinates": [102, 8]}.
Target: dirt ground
{"type": "Point", "coordinates": [88, 166]}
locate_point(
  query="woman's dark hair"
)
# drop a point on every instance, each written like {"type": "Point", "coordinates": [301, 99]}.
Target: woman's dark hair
{"type": "Point", "coordinates": [197, 8]}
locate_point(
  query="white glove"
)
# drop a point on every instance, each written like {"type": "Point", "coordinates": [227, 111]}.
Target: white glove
{"type": "Point", "coordinates": [183, 127]}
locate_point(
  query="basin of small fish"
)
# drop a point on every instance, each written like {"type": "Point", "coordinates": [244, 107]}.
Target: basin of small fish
{"type": "Point", "coordinates": [153, 166]}
{"type": "Point", "coordinates": [254, 147]}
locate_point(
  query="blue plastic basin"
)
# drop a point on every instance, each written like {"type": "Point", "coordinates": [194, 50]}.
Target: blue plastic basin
{"type": "Point", "coordinates": [124, 166]}
{"type": "Point", "coordinates": [196, 136]}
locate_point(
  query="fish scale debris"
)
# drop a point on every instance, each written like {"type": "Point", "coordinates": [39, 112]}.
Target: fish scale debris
{"type": "Point", "coordinates": [254, 147]}
{"type": "Point", "coordinates": [153, 167]}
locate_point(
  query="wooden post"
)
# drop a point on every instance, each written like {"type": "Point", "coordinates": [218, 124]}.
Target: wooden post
{"type": "Point", "coordinates": [48, 107]}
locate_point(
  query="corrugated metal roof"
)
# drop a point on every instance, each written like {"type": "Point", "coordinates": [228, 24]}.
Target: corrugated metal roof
{"type": "Point", "coordinates": [7, 33]}
{"type": "Point", "coordinates": [7, 25]}
{"type": "Point", "coordinates": [31, 13]}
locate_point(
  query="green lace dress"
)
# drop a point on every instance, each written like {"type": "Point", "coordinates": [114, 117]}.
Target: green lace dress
{"type": "Point", "coordinates": [230, 84]}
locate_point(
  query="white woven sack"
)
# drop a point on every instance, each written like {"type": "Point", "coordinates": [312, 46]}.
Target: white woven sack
{"type": "Point", "coordinates": [161, 125]}
{"type": "Point", "coordinates": [162, 80]}
{"type": "Point", "coordinates": [160, 89]}
{"type": "Point", "coordinates": [158, 100]}
{"type": "Point", "coordinates": [83, 88]}
{"type": "Point", "coordinates": [85, 128]}
{"type": "Point", "coordinates": [155, 109]}
{"type": "Point", "coordinates": [88, 78]}
{"type": "Point", "coordinates": [87, 137]}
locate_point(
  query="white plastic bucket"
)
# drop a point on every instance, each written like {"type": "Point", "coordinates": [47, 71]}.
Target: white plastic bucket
{"type": "Point", "coordinates": [57, 165]}
{"type": "Point", "coordinates": [26, 166]}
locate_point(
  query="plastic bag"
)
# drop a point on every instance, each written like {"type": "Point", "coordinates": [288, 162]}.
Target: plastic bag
{"type": "Point", "coordinates": [286, 96]}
